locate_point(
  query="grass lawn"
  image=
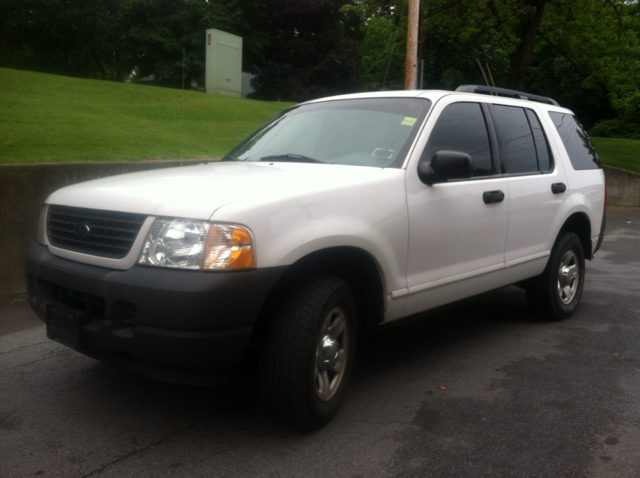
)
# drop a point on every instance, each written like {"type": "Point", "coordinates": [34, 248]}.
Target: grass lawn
{"type": "Point", "coordinates": [49, 118]}
{"type": "Point", "coordinates": [619, 153]}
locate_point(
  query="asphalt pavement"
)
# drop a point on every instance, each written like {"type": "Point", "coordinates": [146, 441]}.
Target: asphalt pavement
{"type": "Point", "coordinates": [480, 390]}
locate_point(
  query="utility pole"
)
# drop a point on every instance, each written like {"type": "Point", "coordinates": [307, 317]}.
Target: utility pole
{"type": "Point", "coordinates": [411, 66]}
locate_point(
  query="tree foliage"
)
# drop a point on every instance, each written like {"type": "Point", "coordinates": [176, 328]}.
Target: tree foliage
{"type": "Point", "coordinates": [378, 27]}
{"type": "Point", "coordinates": [583, 52]}
{"type": "Point", "coordinates": [297, 48]}
{"type": "Point", "coordinates": [308, 54]}
{"type": "Point", "coordinates": [69, 37]}
{"type": "Point", "coordinates": [165, 38]}
{"type": "Point", "coordinates": [589, 57]}
{"type": "Point", "coordinates": [120, 39]}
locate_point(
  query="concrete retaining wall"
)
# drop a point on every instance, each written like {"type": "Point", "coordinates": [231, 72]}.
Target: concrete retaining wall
{"type": "Point", "coordinates": [23, 189]}
{"type": "Point", "coordinates": [623, 187]}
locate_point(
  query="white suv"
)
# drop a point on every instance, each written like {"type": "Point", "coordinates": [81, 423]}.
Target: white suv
{"type": "Point", "coordinates": [340, 213]}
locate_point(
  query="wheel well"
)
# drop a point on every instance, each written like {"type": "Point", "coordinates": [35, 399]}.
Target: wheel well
{"type": "Point", "coordinates": [354, 265]}
{"type": "Point", "coordinates": [580, 225]}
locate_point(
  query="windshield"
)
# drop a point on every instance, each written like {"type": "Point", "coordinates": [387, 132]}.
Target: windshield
{"type": "Point", "coordinates": [365, 132]}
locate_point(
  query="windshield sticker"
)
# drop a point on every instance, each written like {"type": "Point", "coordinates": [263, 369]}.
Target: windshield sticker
{"type": "Point", "coordinates": [408, 121]}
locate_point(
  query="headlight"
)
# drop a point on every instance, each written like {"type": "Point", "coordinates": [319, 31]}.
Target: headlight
{"type": "Point", "coordinates": [190, 244]}
{"type": "Point", "coordinates": [42, 226]}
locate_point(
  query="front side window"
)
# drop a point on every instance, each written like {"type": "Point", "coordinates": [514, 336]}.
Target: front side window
{"type": "Point", "coordinates": [576, 141]}
{"type": "Point", "coordinates": [461, 127]}
{"type": "Point", "coordinates": [364, 132]}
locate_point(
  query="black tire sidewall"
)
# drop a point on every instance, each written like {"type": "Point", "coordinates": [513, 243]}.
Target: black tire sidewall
{"type": "Point", "coordinates": [287, 368]}
{"type": "Point", "coordinates": [565, 243]}
{"type": "Point", "coordinates": [341, 297]}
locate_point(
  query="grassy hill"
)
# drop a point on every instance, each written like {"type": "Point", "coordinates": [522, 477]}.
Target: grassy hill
{"type": "Point", "coordinates": [619, 153]}
{"type": "Point", "coordinates": [49, 118]}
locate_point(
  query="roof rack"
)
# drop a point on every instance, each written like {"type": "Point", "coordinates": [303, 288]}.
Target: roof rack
{"type": "Point", "coordinates": [487, 90]}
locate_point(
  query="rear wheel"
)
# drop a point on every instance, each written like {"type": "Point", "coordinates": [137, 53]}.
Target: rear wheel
{"type": "Point", "coordinates": [308, 353]}
{"type": "Point", "coordinates": [556, 293]}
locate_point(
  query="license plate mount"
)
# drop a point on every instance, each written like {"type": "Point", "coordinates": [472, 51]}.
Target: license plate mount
{"type": "Point", "coordinates": [64, 325]}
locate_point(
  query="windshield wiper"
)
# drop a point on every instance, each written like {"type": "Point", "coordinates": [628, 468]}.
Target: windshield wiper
{"type": "Point", "coordinates": [231, 158]}
{"type": "Point", "coordinates": [291, 158]}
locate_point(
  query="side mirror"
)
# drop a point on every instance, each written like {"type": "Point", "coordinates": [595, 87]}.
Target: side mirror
{"type": "Point", "coordinates": [445, 165]}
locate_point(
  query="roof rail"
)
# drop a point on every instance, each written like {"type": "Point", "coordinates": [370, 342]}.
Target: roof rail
{"type": "Point", "coordinates": [487, 90]}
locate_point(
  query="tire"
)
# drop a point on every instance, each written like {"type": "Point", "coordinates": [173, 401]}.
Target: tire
{"type": "Point", "coordinates": [555, 294]}
{"type": "Point", "coordinates": [308, 353]}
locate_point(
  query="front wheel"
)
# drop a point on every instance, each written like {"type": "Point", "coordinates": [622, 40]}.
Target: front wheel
{"type": "Point", "coordinates": [556, 293]}
{"type": "Point", "coordinates": [308, 353]}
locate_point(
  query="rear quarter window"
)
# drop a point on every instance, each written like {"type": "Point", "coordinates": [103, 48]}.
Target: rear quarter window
{"type": "Point", "coordinates": [576, 141]}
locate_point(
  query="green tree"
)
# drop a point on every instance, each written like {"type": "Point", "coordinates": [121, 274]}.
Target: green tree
{"type": "Point", "coordinates": [69, 37]}
{"type": "Point", "coordinates": [589, 57]}
{"type": "Point", "coordinates": [456, 35]}
{"type": "Point", "coordinates": [378, 27]}
{"type": "Point", "coordinates": [499, 32]}
{"type": "Point", "coordinates": [110, 39]}
{"type": "Point", "coordinates": [583, 52]}
{"type": "Point", "coordinates": [165, 38]}
{"type": "Point", "coordinates": [308, 53]}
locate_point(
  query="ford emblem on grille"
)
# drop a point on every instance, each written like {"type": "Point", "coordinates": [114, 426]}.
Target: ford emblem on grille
{"type": "Point", "coordinates": [81, 229]}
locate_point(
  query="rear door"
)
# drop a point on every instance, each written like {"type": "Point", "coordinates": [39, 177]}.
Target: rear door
{"type": "Point", "coordinates": [536, 186]}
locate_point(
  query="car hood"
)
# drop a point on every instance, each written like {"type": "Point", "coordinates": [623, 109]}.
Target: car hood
{"type": "Point", "coordinates": [198, 191]}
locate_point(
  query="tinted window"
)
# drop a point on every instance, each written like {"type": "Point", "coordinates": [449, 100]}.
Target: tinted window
{"type": "Point", "coordinates": [518, 148]}
{"type": "Point", "coordinates": [576, 141]}
{"type": "Point", "coordinates": [542, 146]}
{"type": "Point", "coordinates": [461, 127]}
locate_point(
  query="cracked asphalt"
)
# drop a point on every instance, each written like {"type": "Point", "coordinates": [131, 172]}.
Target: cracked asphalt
{"type": "Point", "coordinates": [479, 390]}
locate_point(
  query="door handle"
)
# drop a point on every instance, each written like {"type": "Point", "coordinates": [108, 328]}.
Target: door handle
{"type": "Point", "coordinates": [490, 197]}
{"type": "Point", "coordinates": [557, 188]}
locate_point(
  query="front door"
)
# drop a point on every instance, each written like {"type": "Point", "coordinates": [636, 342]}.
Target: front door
{"type": "Point", "coordinates": [457, 229]}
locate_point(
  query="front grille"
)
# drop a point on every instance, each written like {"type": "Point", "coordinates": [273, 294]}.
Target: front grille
{"type": "Point", "coordinates": [91, 231]}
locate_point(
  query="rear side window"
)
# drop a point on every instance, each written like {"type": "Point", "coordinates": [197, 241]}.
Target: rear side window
{"type": "Point", "coordinates": [576, 141]}
{"type": "Point", "coordinates": [542, 146]}
{"type": "Point", "coordinates": [461, 127]}
{"type": "Point", "coordinates": [518, 149]}
{"type": "Point", "coordinates": [524, 146]}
